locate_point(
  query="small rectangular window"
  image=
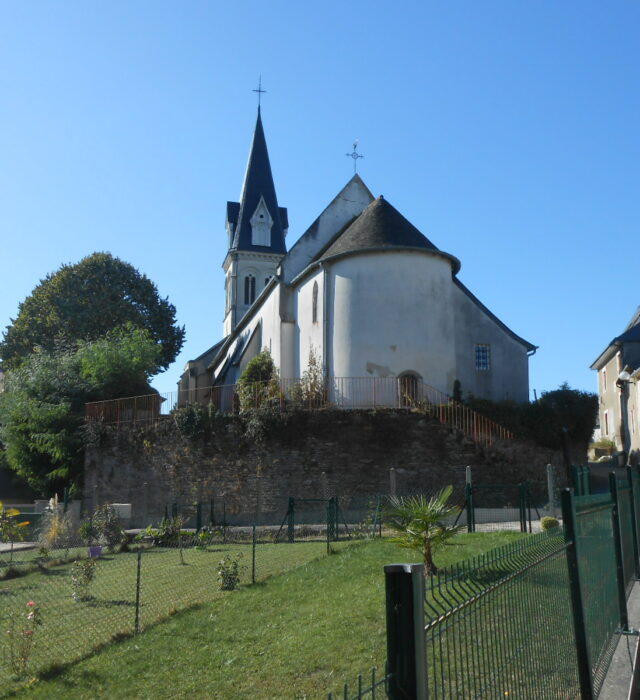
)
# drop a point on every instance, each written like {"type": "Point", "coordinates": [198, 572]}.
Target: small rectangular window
{"type": "Point", "coordinates": [604, 379]}
{"type": "Point", "coordinates": [483, 357]}
{"type": "Point", "coordinates": [606, 422]}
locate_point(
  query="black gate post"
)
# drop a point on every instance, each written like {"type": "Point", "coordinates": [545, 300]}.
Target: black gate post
{"type": "Point", "coordinates": [468, 492]}
{"type": "Point", "coordinates": [406, 655]}
{"type": "Point", "coordinates": [634, 515]}
{"type": "Point", "coordinates": [617, 541]}
{"type": "Point", "coordinates": [579, 626]}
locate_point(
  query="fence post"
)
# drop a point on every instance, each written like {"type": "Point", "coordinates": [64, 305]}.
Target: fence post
{"type": "Point", "coordinates": [617, 541]}
{"type": "Point", "coordinates": [404, 584]}
{"type": "Point", "coordinates": [253, 555]}
{"type": "Point", "coordinates": [523, 494]}
{"type": "Point", "coordinates": [634, 515]}
{"type": "Point", "coordinates": [468, 498]}
{"type": "Point", "coordinates": [551, 490]}
{"type": "Point", "coordinates": [291, 519]}
{"type": "Point", "coordinates": [331, 523]}
{"type": "Point", "coordinates": [198, 516]}
{"type": "Point", "coordinates": [137, 622]}
{"type": "Point", "coordinates": [579, 626]}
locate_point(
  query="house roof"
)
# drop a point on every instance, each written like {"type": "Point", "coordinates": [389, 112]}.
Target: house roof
{"type": "Point", "coordinates": [258, 183]}
{"type": "Point", "coordinates": [630, 335]}
{"type": "Point", "coordinates": [379, 226]}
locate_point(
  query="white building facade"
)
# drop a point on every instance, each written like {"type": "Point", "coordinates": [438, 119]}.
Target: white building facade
{"type": "Point", "coordinates": [364, 292]}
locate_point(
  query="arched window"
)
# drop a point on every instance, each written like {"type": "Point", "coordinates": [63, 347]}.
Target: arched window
{"type": "Point", "coordinates": [409, 389]}
{"type": "Point", "coordinates": [267, 280]}
{"type": "Point", "coordinates": [249, 289]}
{"type": "Point", "coordinates": [314, 304]}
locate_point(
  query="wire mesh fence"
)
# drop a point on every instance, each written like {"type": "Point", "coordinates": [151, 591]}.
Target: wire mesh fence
{"type": "Point", "coordinates": [491, 625]}
{"type": "Point", "coordinates": [84, 602]}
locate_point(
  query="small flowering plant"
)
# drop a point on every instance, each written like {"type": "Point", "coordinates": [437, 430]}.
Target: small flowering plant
{"type": "Point", "coordinates": [21, 635]}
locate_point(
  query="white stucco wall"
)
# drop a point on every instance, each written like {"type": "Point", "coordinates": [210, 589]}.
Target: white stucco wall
{"type": "Point", "coordinates": [390, 313]}
{"type": "Point", "coordinates": [310, 334]}
{"type": "Point", "coordinates": [508, 377]}
{"type": "Point", "coordinates": [348, 204]}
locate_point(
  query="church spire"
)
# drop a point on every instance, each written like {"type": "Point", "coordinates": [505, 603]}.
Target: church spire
{"type": "Point", "coordinates": [256, 226]}
{"type": "Point", "coordinates": [257, 223]}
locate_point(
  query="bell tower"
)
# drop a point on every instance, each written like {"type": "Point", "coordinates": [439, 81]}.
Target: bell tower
{"type": "Point", "coordinates": [256, 228]}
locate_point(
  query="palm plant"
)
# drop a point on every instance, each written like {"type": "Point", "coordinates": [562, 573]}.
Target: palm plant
{"type": "Point", "coordinates": [423, 523]}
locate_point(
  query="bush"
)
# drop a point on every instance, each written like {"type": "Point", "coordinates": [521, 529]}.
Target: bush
{"type": "Point", "coordinates": [548, 523]}
{"type": "Point", "coordinates": [229, 572]}
{"type": "Point", "coordinates": [258, 384]}
{"type": "Point", "coordinates": [83, 571]}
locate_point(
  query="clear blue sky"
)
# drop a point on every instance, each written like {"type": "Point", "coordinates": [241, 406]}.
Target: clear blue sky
{"type": "Point", "coordinates": [507, 132]}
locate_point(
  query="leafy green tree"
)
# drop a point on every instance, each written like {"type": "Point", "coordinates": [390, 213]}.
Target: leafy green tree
{"type": "Point", "coordinates": [423, 523]}
{"type": "Point", "coordinates": [258, 383]}
{"type": "Point", "coordinates": [11, 530]}
{"type": "Point", "coordinates": [42, 407]}
{"type": "Point", "coordinates": [542, 421]}
{"type": "Point", "coordinates": [86, 301]}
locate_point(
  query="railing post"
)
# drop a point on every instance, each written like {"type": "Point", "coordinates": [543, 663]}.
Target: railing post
{"type": "Point", "coordinates": [406, 653]}
{"type": "Point", "coordinates": [579, 626]}
{"type": "Point", "coordinates": [617, 541]}
{"type": "Point", "coordinates": [634, 515]}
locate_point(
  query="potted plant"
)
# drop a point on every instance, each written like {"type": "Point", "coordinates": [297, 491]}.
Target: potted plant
{"type": "Point", "coordinates": [89, 532]}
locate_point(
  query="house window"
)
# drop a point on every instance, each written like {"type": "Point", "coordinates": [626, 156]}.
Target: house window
{"type": "Point", "coordinates": [604, 379]}
{"type": "Point", "coordinates": [249, 289]}
{"type": "Point", "coordinates": [483, 357]}
{"type": "Point", "coordinates": [314, 306]}
{"type": "Point", "coordinates": [606, 422]}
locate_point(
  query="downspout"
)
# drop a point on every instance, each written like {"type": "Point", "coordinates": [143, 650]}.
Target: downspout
{"type": "Point", "coordinates": [325, 324]}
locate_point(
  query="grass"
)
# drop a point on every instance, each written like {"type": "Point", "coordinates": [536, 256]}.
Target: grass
{"type": "Point", "coordinates": [74, 629]}
{"type": "Point", "coordinates": [299, 634]}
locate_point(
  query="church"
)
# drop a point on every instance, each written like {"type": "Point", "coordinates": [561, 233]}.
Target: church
{"type": "Point", "coordinates": [363, 293]}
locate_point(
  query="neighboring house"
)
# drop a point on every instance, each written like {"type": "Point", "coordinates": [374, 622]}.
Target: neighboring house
{"type": "Point", "coordinates": [618, 368]}
{"type": "Point", "coordinates": [363, 290]}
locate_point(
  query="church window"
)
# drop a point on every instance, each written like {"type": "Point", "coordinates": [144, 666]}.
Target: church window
{"type": "Point", "coordinates": [267, 280]}
{"type": "Point", "coordinates": [314, 304]}
{"type": "Point", "coordinates": [249, 289]}
{"type": "Point", "coordinates": [483, 357]}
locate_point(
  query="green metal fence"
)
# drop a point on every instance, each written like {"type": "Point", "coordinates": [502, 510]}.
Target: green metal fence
{"type": "Point", "coordinates": [540, 618]}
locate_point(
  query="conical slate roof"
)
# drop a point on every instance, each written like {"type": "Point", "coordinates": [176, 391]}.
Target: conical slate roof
{"type": "Point", "coordinates": [258, 182]}
{"type": "Point", "coordinates": [379, 226]}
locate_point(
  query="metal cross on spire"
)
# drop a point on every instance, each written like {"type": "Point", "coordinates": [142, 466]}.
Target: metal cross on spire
{"type": "Point", "coordinates": [355, 155]}
{"type": "Point", "coordinates": [259, 90]}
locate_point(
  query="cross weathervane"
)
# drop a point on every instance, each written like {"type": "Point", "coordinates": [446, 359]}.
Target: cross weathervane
{"type": "Point", "coordinates": [355, 155]}
{"type": "Point", "coordinates": [259, 90]}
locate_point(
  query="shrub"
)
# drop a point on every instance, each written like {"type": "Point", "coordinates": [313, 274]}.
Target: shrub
{"type": "Point", "coordinates": [229, 572]}
{"type": "Point", "coordinates": [20, 637]}
{"type": "Point", "coordinates": [83, 571]}
{"type": "Point", "coordinates": [548, 523]}
{"type": "Point", "coordinates": [258, 384]}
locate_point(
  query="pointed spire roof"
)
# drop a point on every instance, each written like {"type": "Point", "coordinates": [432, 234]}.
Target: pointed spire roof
{"type": "Point", "coordinates": [381, 226]}
{"type": "Point", "coordinates": [258, 184]}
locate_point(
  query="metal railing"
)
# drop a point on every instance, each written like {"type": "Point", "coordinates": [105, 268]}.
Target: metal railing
{"type": "Point", "coordinates": [338, 392]}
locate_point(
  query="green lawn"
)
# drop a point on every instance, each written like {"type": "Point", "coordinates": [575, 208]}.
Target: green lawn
{"type": "Point", "coordinates": [298, 634]}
